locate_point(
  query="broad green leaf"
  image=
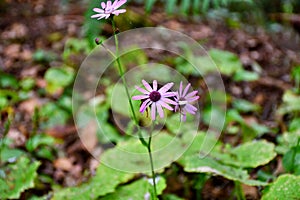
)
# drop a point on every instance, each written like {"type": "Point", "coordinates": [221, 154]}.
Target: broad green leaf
{"type": "Point", "coordinates": [294, 125]}
{"type": "Point", "coordinates": [245, 106]}
{"type": "Point", "coordinates": [243, 75]}
{"type": "Point", "coordinates": [200, 143]}
{"type": "Point", "coordinates": [105, 181]}
{"type": "Point", "coordinates": [58, 77]}
{"type": "Point", "coordinates": [291, 103]}
{"type": "Point", "coordinates": [248, 155]}
{"type": "Point", "coordinates": [53, 115]}
{"type": "Point", "coordinates": [117, 98]}
{"type": "Point", "coordinates": [171, 197]}
{"type": "Point", "coordinates": [291, 160]}
{"type": "Point", "coordinates": [27, 84]}
{"type": "Point", "coordinates": [38, 140]}
{"type": "Point", "coordinates": [19, 177]}
{"type": "Point", "coordinates": [106, 132]}
{"type": "Point", "coordinates": [8, 97]}
{"type": "Point", "coordinates": [42, 56]}
{"type": "Point", "coordinates": [287, 141]}
{"type": "Point", "coordinates": [174, 125]}
{"type": "Point", "coordinates": [135, 57]}
{"type": "Point", "coordinates": [165, 149]}
{"type": "Point", "coordinates": [227, 62]}
{"type": "Point", "coordinates": [141, 189]}
{"type": "Point", "coordinates": [10, 155]}
{"type": "Point", "coordinates": [285, 187]}
{"type": "Point", "coordinates": [194, 163]}
{"type": "Point", "coordinates": [8, 81]}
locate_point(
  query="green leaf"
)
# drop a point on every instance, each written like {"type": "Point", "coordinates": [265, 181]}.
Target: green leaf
{"type": "Point", "coordinates": [285, 187]}
{"type": "Point", "coordinates": [106, 133]}
{"type": "Point", "coordinates": [248, 155]}
{"type": "Point", "coordinates": [165, 149]}
{"type": "Point", "coordinates": [184, 7]}
{"type": "Point", "coordinates": [170, 6]}
{"type": "Point", "coordinates": [53, 115]}
{"type": "Point", "coordinates": [27, 84]}
{"type": "Point", "coordinates": [140, 189]}
{"type": "Point", "coordinates": [8, 81]}
{"type": "Point", "coordinates": [105, 181]}
{"type": "Point", "coordinates": [19, 177]}
{"type": "Point", "coordinates": [173, 124]}
{"type": "Point", "coordinates": [287, 141]}
{"type": "Point", "coordinates": [117, 98]}
{"type": "Point", "coordinates": [245, 106]}
{"type": "Point", "coordinates": [10, 155]}
{"type": "Point", "coordinates": [291, 103]}
{"type": "Point", "coordinates": [227, 62]}
{"type": "Point", "coordinates": [38, 140]}
{"type": "Point", "coordinates": [42, 56]}
{"type": "Point", "coordinates": [149, 4]}
{"type": "Point", "coordinates": [291, 160]}
{"type": "Point", "coordinates": [171, 197]}
{"type": "Point", "coordinates": [194, 163]}
{"type": "Point", "coordinates": [294, 125]}
{"type": "Point", "coordinates": [58, 78]}
{"type": "Point", "coordinates": [243, 75]}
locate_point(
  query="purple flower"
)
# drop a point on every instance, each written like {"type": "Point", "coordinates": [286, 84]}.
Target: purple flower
{"type": "Point", "coordinates": [108, 8]}
{"type": "Point", "coordinates": [184, 100]}
{"type": "Point", "coordinates": [156, 98]}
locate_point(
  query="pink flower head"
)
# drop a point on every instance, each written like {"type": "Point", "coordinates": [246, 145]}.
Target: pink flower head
{"type": "Point", "coordinates": [184, 100]}
{"type": "Point", "coordinates": [108, 8]}
{"type": "Point", "coordinates": [155, 97]}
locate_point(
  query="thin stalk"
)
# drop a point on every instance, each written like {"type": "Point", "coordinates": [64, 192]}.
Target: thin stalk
{"type": "Point", "coordinates": [6, 129]}
{"type": "Point", "coordinates": [121, 72]}
{"type": "Point", "coordinates": [239, 191]}
{"type": "Point", "coordinates": [294, 154]}
{"type": "Point", "coordinates": [151, 163]}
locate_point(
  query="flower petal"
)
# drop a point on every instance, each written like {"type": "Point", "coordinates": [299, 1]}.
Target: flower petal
{"type": "Point", "coordinates": [190, 108]}
{"type": "Point", "coordinates": [191, 94]}
{"type": "Point", "coordinates": [155, 85]}
{"type": "Point", "coordinates": [139, 97]}
{"type": "Point", "coordinates": [147, 86]}
{"type": "Point", "coordinates": [169, 94]}
{"type": "Point", "coordinates": [108, 5]}
{"type": "Point", "coordinates": [160, 110]}
{"type": "Point", "coordinates": [169, 101]}
{"type": "Point", "coordinates": [186, 90]}
{"type": "Point", "coordinates": [153, 111]}
{"type": "Point", "coordinates": [144, 105]}
{"type": "Point", "coordinates": [165, 105]}
{"type": "Point", "coordinates": [142, 90]}
{"type": "Point", "coordinates": [98, 10]}
{"type": "Point", "coordinates": [117, 12]}
{"type": "Point", "coordinates": [165, 88]}
{"type": "Point", "coordinates": [118, 4]}
{"type": "Point", "coordinates": [103, 5]}
{"type": "Point", "coordinates": [99, 16]}
{"type": "Point", "coordinates": [191, 99]}
{"type": "Point", "coordinates": [180, 89]}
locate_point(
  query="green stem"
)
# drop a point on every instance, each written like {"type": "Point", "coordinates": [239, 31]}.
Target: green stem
{"type": "Point", "coordinates": [294, 154]}
{"type": "Point", "coordinates": [121, 72]}
{"type": "Point", "coordinates": [6, 129]}
{"type": "Point", "coordinates": [151, 163]}
{"type": "Point", "coordinates": [239, 191]}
